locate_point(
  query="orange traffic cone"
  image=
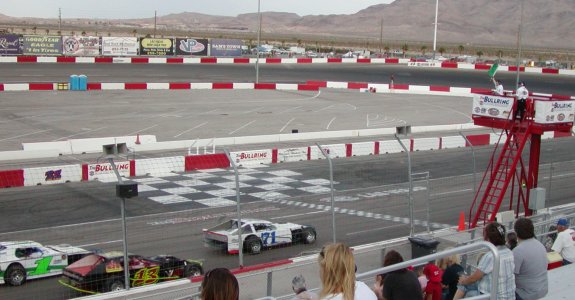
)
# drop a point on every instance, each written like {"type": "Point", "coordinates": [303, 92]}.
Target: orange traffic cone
{"type": "Point", "coordinates": [461, 226]}
{"type": "Point", "coordinates": [138, 139]}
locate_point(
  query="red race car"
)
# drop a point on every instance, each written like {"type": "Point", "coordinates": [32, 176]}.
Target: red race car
{"type": "Point", "coordinates": [105, 272]}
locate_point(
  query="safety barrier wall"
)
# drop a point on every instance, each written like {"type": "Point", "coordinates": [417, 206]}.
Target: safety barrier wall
{"type": "Point", "coordinates": [178, 164]}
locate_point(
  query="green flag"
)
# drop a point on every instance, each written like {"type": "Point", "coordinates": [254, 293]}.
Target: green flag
{"type": "Point", "coordinates": [493, 70]}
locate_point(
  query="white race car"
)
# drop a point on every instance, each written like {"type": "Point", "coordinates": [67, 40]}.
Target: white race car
{"type": "Point", "coordinates": [22, 260]}
{"type": "Point", "coordinates": [256, 234]}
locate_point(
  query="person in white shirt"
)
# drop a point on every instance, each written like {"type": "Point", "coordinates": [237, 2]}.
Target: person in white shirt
{"type": "Point", "coordinates": [337, 274]}
{"type": "Point", "coordinates": [564, 243]}
{"type": "Point", "coordinates": [522, 95]}
{"type": "Point", "coordinates": [498, 87]}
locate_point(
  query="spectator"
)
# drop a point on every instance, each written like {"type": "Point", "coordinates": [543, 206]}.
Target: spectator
{"type": "Point", "coordinates": [433, 290]}
{"type": "Point", "coordinates": [220, 284]}
{"type": "Point", "coordinates": [498, 87]}
{"type": "Point", "coordinates": [421, 277]}
{"type": "Point", "coordinates": [564, 244]}
{"type": "Point", "coordinates": [337, 273]}
{"type": "Point", "coordinates": [300, 289]}
{"type": "Point", "coordinates": [530, 263]}
{"type": "Point", "coordinates": [495, 234]}
{"type": "Point", "coordinates": [550, 238]}
{"type": "Point", "coordinates": [400, 284]}
{"type": "Point", "coordinates": [511, 240]}
{"type": "Point", "coordinates": [451, 271]}
{"type": "Point", "coordinates": [522, 95]}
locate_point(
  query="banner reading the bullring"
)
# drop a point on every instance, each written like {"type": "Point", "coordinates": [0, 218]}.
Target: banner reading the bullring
{"type": "Point", "coordinates": [153, 46]}
{"type": "Point", "coordinates": [227, 47]}
{"type": "Point", "coordinates": [81, 45]}
{"type": "Point", "coordinates": [10, 44]}
{"type": "Point", "coordinates": [42, 45]}
{"type": "Point", "coordinates": [190, 46]}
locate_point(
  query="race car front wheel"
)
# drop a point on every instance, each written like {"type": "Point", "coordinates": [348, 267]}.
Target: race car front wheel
{"type": "Point", "coordinates": [15, 275]}
{"type": "Point", "coordinates": [309, 236]}
{"type": "Point", "coordinates": [255, 245]}
{"type": "Point", "coordinates": [115, 284]}
{"type": "Point", "coordinates": [192, 271]}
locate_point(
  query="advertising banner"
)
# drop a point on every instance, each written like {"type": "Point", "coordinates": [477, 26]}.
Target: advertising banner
{"type": "Point", "coordinates": [10, 44]}
{"type": "Point", "coordinates": [292, 154]}
{"type": "Point", "coordinates": [120, 46]}
{"type": "Point", "coordinates": [198, 47]}
{"type": "Point", "coordinates": [428, 64]}
{"type": "Point", "coordinates": [105, 170]}
{"type": "Point", "coordinates": [334, 151]}
{"type": "Point", "coordinates": [552, 112]}
{"type": "Point", "coordinates": [160, 47]}
{"type": "Point", "coordinates": [220, 47]}
{"type": "Point", "coordinates": [254, 157]}
{"type": "Point", "coordinates": [81, 45]}
{"type": "Point", "coordinates": [52, 175]}
{"type": "Point", "coordinates": [42, 45]}
{"type": "Point", "coordinates": [492, 106]}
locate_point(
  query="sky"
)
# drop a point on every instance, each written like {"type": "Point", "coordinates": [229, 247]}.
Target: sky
{"type": "Point", "coordinates": [116, 9]}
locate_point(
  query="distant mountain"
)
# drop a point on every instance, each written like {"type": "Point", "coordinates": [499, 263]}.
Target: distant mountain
{"type": "Point", "coordinates": [546, 24]}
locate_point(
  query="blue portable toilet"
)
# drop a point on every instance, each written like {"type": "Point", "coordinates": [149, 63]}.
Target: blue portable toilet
{"type": "Point", "coordinates": [74, 82]}
{"type": "Point", "coordinates": [82, 83]}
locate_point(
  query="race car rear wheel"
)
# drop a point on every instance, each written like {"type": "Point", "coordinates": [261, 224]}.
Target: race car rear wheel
{"type": "Point", "coordinates": [115, 284]}
{"type": "Point", "coordinates": [254, 245]}
{"type": "Point", "coordinates": [308, 236]}
{"type": "Point", "coordinates": [15, 275]}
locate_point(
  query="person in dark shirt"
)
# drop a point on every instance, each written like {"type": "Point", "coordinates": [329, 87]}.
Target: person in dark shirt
{"type": "Point", "coordinates": [451, 272]}
{"type": "Point", "coordinates": [401, 284]}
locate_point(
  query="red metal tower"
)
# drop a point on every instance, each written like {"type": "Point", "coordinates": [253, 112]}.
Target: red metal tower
{"type": "Point", "coordinates": [507, 176]}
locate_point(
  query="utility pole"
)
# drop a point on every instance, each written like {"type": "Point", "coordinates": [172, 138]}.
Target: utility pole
{"type": "Point", "coordinates": [519, 33]}
{"type": "Point", "coordinates": [259, 41]}
{"type": "Point", "coordinates": [155, 21]}
{"type": "Point", "coordinates": [435, 30]}
{"type": "Point", "coordinates": [60, 19]}
{"type": "Point", "coordinates": [381, 36]}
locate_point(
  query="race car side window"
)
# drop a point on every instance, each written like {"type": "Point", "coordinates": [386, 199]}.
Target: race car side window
{"type": "Point", "coordinates": [20, 252]}
{"type": "Point", "coordinates": [247, 229]}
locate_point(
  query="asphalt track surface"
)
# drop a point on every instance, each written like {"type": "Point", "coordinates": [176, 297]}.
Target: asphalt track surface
{"type": "Point", "coordinates": [283, 73]}
{"type": "Point", "coordinates": [371, 201]}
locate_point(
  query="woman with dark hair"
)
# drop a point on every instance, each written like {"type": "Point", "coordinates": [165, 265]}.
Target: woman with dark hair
{"type": "Point", "coordinates": [511, 240]}
{"type": "Point", "coordinates": [400, 284]}
{"type": "Point", "coordinates": [493, 233]}
{"type": "Point", "coordinates": [220, 284]}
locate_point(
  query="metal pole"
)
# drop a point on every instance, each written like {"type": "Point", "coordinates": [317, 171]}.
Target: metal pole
{"type": "Point", "coordinates": [259, 39]}
{"type": "Point", "coordinates": [519, 45]}
{"type": "Point", "coordinates": [124, 227]}
{"type": "Point", "coordinates": [381, 37]}
{"type": "Point", "coordinates": [240, 242]}
{"type": "Point", "coordinates": [550, 181]}
{"type": "Point", "coordinates": [410, 200]}
{"type": "Point", "coordinates": [428, 202]}
{"type": "Point", "coordinates": [155, 21]}
{"type": "Point", "coordinates": [473, 155]}
{"type": "Point", "coordinates": [269, 284]}
{"type": "Point", "coordinates": [60, 20]}
{"type": "Point", "coordinates": [435, 31]}
{"type": "Point", "coordinates": [331, 188]}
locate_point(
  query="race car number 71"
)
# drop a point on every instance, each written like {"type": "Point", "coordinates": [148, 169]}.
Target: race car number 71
{"type": "Point", "coordinates": [266, 235]}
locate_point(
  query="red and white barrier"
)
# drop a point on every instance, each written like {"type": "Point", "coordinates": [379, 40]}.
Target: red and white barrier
{"type": "Point", "coordinates": [105, 172]}
{"type": "Point", "coordinates": [160, 166]}
{"type": "Point", "coordinates": [52, 175]}
{"type": "Point", "coordinates": [334, 151]}
{"type": "Point", "coordinates": [254, 157]}
{"type": "Point", "coordinates": [292, 154]}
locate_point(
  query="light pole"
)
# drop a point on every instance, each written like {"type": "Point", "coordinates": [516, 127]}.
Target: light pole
{"type": "Point", "coordinates": [259, 39]}
{"type": "Point", "coordinates": [519, 46]}
{"type": "Point", "coordinates": [435, 31]}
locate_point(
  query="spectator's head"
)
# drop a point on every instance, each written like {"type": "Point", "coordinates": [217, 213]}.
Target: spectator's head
{"type": "Point", "coordinates": [391, 258]}
{"type": "Point", "coordinates": [521, 83]}
{"type": "Point", "coordinates": [562, 224]}
{"type": "Point", "coordinates": [447, 261]}
{"type": "Point", "coordinates": [298, 284]}
{"type": "Point", "coordinates": [220, 284]}
{"type": "Point", "coordinates": [495, 234]}
{"type": "Point", "coordinates": [511, 240]}
{"type": "Point", "coordinates": [524, 229]}
{"type": "Point", "coordinates": [337, 271]}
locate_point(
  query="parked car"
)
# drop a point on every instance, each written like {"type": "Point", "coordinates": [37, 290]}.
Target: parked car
{"type": "Point", "coordinates": [105, 272]}
{"type": "Point", "coordinates": [24, 260]}
{"type": "Point", "coordinates": [257, 234]}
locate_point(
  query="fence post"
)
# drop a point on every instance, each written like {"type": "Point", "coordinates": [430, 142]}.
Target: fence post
{"type": "Point", "coordinates": [240, 242]}
{"type": "Point", "coordinates": [269, 288]}
{"type": "Point", "coordinates": [327, 156]}
{"type": "Point", "coordinates": [472, 155]}
{"type": "Point", "coordinates": [410, 194]}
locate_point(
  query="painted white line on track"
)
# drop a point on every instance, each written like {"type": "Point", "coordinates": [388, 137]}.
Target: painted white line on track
{"type": "Point", "coordinates": [329, 124]}
{"type": "Point", "coordinates": [22, 118]}
{"type": "Point", "coordinates": [195, 127]}
{"type": "Point", "coordinates": [23, 135]}
{"type": "Point", "coordinates": [298, 215]}
{"type": "Point", "coordinates": [253, 110]}
{"type": "Point", "coordinates": [327, 107]}
{"type": "Point", "coordinates": [102, 243]}
{"type": "Point", "coordinates": [132, 133]}
{"type": "Point", "coordinates": [286, 125]}
{"type": "Point", "coordinates": [452, 192]}
{"type": "Point", "coordinates": [352, 106]}
{"type": "Point", "coordinates": [246, 125]}
{"type": "Point", "coordinates": [375, 229]}
{"type": "Point", "coordinates": [79, 133]}
{"type": "Point", "coordinates": [289, 109]}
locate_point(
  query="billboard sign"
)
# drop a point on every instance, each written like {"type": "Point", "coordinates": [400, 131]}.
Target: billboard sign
{"type": "Point", "coordinates": [492, 106]}
{"type": "Point", "coordinates": [120, 46]}
{"type": "Point", "coordinates": [42, 45]}
{"type": "Point", "coordinates": [554, 112]}
{"type": "Point", "coordinates": [10, 44]}
{"type": "Point", "coordinates": [255, 157]}
{"type": "Point", "coordinates": [220, 47]}
{"type": "Point", "coordinates": [106, 171]}
{"type": "Point", "coordinates": [192, 47]}
{"type": "Point", "coordinates": [81, 45]}
{"type": "Point", "coordinates": [160, 47]}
